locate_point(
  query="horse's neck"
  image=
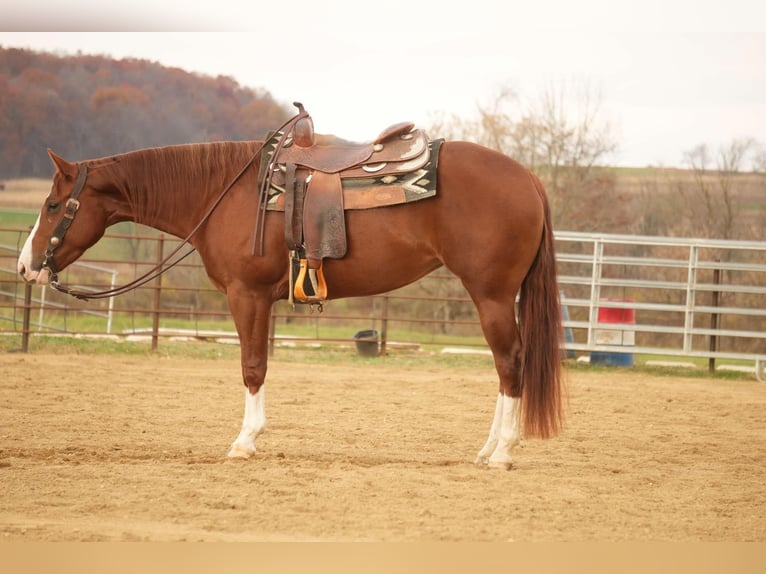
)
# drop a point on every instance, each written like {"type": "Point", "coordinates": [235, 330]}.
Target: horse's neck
{"type": "Point", "coordinates": [171, 189]}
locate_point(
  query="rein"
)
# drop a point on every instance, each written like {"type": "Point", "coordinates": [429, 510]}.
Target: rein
{"type": "Point", "coordinates": [73, 204]}
{"type": "Point", "coordinates": [154, 272]}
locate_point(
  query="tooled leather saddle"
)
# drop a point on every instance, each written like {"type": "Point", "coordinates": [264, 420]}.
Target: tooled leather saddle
{"type": "Point", "coordinates": [313, 178]}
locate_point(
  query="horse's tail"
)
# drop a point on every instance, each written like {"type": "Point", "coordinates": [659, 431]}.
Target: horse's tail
{"type": "Point", "coordinates": [541, 328]}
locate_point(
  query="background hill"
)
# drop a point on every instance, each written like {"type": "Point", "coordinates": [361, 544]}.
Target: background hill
{"type": "Point", "coordinates": [89, 106]}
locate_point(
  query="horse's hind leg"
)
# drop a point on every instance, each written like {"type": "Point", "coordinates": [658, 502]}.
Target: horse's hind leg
{"type": "Point", "coordinates": [498, 322]}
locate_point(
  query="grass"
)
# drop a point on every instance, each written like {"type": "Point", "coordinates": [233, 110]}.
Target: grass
{"type": "Point", "coordinates": [429, 357]}
{"type": "Point", "coordinates": [74, 321]}
{"type": "Point", "coordinates": [205, 350]}
{"type": "Point", "coordinates": [640, 366]}
{"type": "Point", "coordinates": [22, 219]}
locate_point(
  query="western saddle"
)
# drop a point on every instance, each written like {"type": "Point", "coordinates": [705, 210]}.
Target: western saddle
{"type": "Point", "coordinates": [310, 169]}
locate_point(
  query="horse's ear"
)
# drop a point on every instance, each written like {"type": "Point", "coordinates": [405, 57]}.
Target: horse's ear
{"type": "Point", "coordinates": [62, 165]}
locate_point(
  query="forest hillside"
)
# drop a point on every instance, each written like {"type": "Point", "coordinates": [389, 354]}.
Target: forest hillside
{"type": "Point", "coordinates": [87, 106]}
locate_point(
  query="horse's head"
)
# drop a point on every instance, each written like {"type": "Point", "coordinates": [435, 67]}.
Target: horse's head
{"type": "Point", "coordinates": [70, 221]}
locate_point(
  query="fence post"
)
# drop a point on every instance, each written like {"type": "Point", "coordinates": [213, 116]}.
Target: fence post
{"type": "Point", "coordinates": [595, 288]}
{"type": "Point", "coordinates": [272, 329]}
{"type": "Point", "coordinates": [157, 295]}
{"type": "Point", "coordinates": [714, 321]}
{"type": "Point", "coordinates": [384, 326]}
{"type": "Point", "coordinates": [691, 295]}
{"type": "Point", "coordinates": [27, 313]}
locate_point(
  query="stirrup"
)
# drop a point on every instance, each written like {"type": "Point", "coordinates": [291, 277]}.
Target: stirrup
{"type": "Point", "coordinates": [310, 285]}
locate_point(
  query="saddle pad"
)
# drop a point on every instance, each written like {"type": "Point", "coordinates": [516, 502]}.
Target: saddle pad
{"type": "Point", "coordinates": [371, 191]}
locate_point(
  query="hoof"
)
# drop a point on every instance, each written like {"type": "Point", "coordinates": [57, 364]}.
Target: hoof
{"type": "Point", "coordinates": [239, 451]}
{"type": "Point", "coordinates": [501, 464]}
{"type": "Point", "coordinates": [481, 460]}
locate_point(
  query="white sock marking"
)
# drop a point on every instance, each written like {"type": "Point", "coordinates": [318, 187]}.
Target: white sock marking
{"type": "Point", "coordinates": [489, 446]}
{"type": "Point", "coordinates": [253, 424]}
{"type": "Point", "coordinates": [504, 434]}
{"type": "Point", "coordinates": [509, 435]}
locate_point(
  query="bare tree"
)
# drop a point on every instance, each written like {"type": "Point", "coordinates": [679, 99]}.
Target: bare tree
{"type": "Point", "coordinates": [562, 136]}
{"type": "Point", "coordinates": [453, 127]}
{"type": "Point", "coordinates": [711, 198]}
{"type": "Point", "coordinates": [759, 158]}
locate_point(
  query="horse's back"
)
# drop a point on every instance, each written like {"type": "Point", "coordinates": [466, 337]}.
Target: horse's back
{"type": "Point", "coordinates": [486, 208]}
{"type": "Point", "coordinates": [469, 172]}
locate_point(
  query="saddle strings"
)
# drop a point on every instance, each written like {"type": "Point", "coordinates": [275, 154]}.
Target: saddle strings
{"type": "Point", "coordinates": [263, 194]}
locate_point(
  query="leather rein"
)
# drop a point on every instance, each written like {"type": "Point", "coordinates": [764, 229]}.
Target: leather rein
{"type": "Point", "coordinates": [73, 204]}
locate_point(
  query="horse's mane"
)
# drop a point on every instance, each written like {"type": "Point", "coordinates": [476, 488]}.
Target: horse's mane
{"type": "Point", "coordinates": [171, 176]}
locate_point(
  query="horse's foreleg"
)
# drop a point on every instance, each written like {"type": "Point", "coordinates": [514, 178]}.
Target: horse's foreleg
{"type": "Point", "coordinates": [253, 424]}
{"type": "Point", "coordinates": [251, 315]}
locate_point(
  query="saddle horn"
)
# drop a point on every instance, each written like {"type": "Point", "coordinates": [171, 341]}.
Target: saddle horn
{"type": "Point", "coordinates": [303, 131]}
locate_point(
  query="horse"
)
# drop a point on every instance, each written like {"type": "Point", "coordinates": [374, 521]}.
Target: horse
{"type": "Point", "coordinates": [489, 224]}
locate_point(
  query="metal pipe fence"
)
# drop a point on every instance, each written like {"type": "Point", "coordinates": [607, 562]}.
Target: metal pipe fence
{"type": "Point", "coordinates": [622, 296]}
{"type": "Point", "coordinates": [693, 298]}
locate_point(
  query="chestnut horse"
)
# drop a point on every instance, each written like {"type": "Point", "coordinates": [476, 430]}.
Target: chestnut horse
{"type": "Point", "coordinates": [489, 223]}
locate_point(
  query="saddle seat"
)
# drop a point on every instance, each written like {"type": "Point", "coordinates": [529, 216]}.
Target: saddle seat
{"type": "Point", "coordinates": [332, 154]}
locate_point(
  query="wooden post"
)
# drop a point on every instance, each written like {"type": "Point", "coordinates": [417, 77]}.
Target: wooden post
{"type": "Point", "coordinates": [384, 326]}
{"type": "Point", "coordinates": [25, 332]}
{"type": "Point", "coordinates": [157, 295]}
{"type": "Point", "coordinates": [272, 329]}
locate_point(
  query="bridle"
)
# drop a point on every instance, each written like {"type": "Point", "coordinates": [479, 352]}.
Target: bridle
{"type": "Point", "coordinates": [70, 210]}
{"type": "Point", "coordinates": [73, 204]}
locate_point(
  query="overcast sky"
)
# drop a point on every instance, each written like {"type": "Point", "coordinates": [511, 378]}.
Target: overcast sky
{"type": "Point", "coordinates": [672, 74]}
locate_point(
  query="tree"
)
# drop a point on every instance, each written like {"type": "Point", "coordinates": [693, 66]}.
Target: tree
{"type": "Point", "coordinates": [563, 137]}
{"type": "Point", "coordinates": [759, 158]}
{"type": "Point", "coordinates": [90, 106]}
{"type": "Point", "coordinates": [712, 197]}
{"type": "Point", "coordinates": [122, 117]}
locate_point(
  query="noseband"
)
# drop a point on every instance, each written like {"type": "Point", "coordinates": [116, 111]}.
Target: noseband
{"type": "Point", "coordinates": [70, 209]}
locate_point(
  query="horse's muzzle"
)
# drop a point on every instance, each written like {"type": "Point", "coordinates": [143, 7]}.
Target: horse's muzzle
{"type": "Point", "coordinates": [41, 277]}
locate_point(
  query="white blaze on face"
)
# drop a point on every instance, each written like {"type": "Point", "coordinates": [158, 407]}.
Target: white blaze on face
{"type": "Point", "coordinates": [24, 265]}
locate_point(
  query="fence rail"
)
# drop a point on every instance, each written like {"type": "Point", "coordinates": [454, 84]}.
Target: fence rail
{"type": "Point", "coordinates": [679, 297]}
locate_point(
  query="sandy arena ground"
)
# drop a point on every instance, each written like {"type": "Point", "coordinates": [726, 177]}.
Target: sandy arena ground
{"type": "Point", "coordinates": [132, 448]}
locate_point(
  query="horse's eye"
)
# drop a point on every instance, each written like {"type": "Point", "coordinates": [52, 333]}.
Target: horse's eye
{"type": "Point", "coordinates": [53, 206]}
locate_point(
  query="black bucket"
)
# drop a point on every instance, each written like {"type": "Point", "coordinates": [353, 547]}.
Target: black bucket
{"type": "Point", "coordinates": [367, 343]}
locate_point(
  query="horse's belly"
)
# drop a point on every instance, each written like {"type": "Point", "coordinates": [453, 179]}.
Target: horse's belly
{"type": "Point", "coordinates": [386, 250]}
